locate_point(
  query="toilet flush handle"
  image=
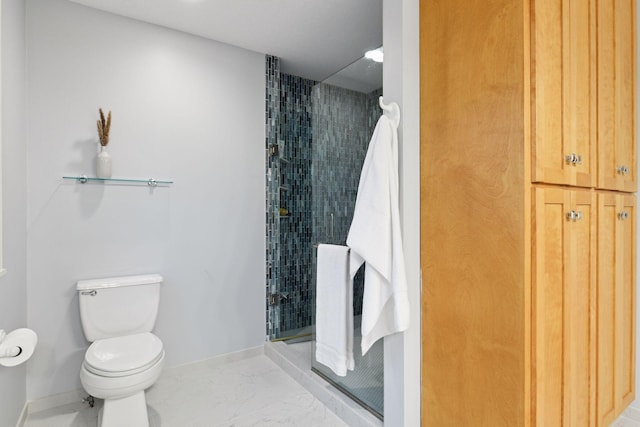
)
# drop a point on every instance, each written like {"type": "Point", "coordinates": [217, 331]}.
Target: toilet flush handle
{"type": "Point", "coordinates": [93, 293]}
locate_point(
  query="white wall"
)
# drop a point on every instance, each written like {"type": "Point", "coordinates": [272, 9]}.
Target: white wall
{"type": "Point", "coordinates": [185, 109]}
{"type": "Point", "coordinates": [401, 82]}
{"type": "Point", "coordinates": [13, 286]}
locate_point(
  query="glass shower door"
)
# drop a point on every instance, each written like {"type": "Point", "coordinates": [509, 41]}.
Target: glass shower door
{"type": "Point", "coordinates": [317, 135]}
{"type": "Point", "coordinates": [345, 112]}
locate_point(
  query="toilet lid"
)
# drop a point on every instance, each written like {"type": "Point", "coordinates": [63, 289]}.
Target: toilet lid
{"type": "Point", "coordinates": [123, 355]}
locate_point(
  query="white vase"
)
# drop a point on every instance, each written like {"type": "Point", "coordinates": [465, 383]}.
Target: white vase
{"type": "Point", "coordinates": [103, 163]}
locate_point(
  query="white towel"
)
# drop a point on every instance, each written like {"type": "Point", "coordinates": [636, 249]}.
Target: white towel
{"type": "Point", "coordinates": [375, 238]}
{"type": "Point", "coordinates": [334, 309]}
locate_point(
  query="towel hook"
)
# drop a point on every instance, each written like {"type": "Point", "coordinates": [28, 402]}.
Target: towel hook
{"type": "Point", "coordinates": [391, 110]}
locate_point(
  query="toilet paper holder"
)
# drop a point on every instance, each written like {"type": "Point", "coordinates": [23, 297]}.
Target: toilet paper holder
{"type": "Point", "coordinates": [6, 351]}
{"type": "Point", "coordinates": [17, 346]}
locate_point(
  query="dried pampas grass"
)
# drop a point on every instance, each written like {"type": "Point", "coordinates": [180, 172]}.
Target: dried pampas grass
{"type": "Point", "coordinates": [103, 128]}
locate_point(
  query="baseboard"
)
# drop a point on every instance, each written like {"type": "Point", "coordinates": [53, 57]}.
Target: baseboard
{"type": "Point", "coordinates": [76, 396]}
{"type": "Point", "coordinates": [225, 358]}
{"type": "Point", "coordinates": [23, 415]}
{"type": "Point", "coordinates": [56, 400]}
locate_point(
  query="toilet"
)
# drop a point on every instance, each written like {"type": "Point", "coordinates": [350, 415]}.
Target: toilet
{"type": "Point", "coordinates": [125, 358]}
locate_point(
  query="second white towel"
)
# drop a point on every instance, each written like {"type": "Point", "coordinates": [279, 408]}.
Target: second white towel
{"type": "Point", "coordinates": [334, 309]}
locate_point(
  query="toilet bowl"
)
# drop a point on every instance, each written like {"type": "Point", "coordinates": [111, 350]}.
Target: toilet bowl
{"type": "Point", "coordinates": [117, 371]}
{"type": "Point", "coordinates": [125, 358]}
{"type": "Point", "coordinates": [114, 368]}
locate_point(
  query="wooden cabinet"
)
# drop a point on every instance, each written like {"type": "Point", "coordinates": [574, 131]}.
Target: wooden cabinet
{"type": "Point", "coordinates": [563, 294]}
{"type": "Point", "coordinates": [563, 92]}
{"type": "Point", "coordinates": [528, 282]}
{"type": "Point", "coordinates": [566, 290]}
{"type": "Point", "coordinates": [583, 86]}
{"type": "Point", "coordinates": [617, 133]}
{"type": "Point", "coordinates": [615, 302]}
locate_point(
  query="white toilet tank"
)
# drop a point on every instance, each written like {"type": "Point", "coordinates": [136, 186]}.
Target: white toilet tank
{"type": "Point", "coordinates": [118, 306]}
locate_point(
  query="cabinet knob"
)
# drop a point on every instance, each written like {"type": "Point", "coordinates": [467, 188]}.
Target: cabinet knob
{"type": "Point", "coordinates": [574, 215]}
{"type": "Point", "coordinates": [623, 170]}
{"type": "Point", "coordinates": [623, 215]}
{"type": "Point", "coordinates": [573, 159]}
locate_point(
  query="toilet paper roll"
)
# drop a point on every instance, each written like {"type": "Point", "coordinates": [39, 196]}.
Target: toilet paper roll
{"type": "Point", "coordinates": [21, 342]}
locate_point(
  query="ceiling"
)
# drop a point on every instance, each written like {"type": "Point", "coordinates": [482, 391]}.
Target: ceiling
{"type": "Point", "coordinates": [313, 38]}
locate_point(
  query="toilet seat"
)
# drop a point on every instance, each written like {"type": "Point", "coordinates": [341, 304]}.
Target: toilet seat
{"type": "Point", "coordinates": [123, 356]}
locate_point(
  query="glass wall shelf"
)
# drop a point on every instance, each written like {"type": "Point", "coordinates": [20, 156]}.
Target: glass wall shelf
{"type": "Point", "coordinates": [150, 182]}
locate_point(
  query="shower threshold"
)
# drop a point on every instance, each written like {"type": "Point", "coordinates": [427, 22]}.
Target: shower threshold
{"type": "Point", "coordinates": [293, 339]}
{"type": "Point", "coordinates": [348, 393]}
{"type": "Point", "coordinates": [295, 360]}
{"type": "Point", "coordinates": [293, 336]}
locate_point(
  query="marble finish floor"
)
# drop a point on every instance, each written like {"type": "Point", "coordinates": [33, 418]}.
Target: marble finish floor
{"type": "Point", "coordinates": [248, 392]}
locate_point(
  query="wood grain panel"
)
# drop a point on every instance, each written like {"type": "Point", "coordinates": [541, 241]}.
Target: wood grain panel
{"type": "Point", "coordinates": [563, 67]}
{"type": "Point", "coordinates": [472, 237]}
{"type": "Point", "coordinates": [579, 89]}
{"type": "Point", "coordinates": [615, 305]}
{"type": "Point", "coordinates": [617, 105]}
{"type": "Point", "coordinates": [626, 304]}
{"type": "Point", "coordinates": [579, 344]}
{"type": "Point", "coordinates": [606, 310]}
{"type": "Point", "coordinates": [548, 140]}
{"type": "Point", "coordinates": [625, 58]}
{"type": "Point", "coordinates": [564, 256]}
{"type": "Point", "coordinates": [548, 304]}
{"type": "Point", "coordinates": [607, 176]}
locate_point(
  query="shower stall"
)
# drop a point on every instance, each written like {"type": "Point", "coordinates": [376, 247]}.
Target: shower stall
{"type": "Point", "coordinates": [317, 135]}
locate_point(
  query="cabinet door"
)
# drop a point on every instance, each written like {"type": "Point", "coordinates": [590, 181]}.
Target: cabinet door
{"type": "Point", "coordinates": [563, 92]}
{"type": "Point", "coordinates": [615, 305]}
{"type": "Point", "coordinates": [563, 288]}
{"type": "Point", "coordinates": [617, 169]}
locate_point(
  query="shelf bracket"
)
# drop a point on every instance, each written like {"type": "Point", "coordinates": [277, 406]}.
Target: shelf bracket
{"type": "Point", "coordinates": [151, 182]}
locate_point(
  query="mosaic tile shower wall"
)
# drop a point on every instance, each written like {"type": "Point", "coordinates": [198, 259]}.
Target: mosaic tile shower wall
{"type": "Point", "coordinates": [316, 140]}
{"type": "Point", "coordinates": [296, 245]}
{"type": "Point", "coordinates": [289, 245]}
{"type": "Point", "coordinates": [272, 121]}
